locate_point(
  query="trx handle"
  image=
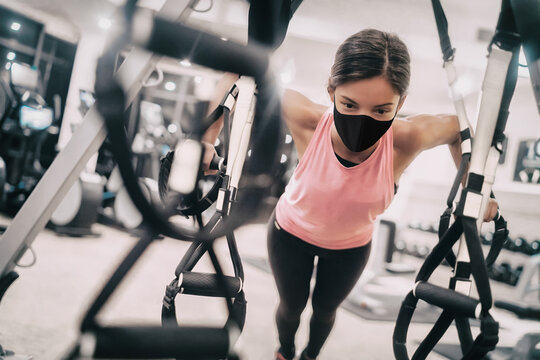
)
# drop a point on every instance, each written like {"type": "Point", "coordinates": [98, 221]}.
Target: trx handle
{"type": "Point", "coordinates": [180, 41]}
{"type": "Point", "coordinates": [203, 284]}
{"type": "Point", "coordinates": [195, 207]}
{"type": "Point", "coordinates": [154, 342]}
{"type": "Point", "coordinates": [446, 299]}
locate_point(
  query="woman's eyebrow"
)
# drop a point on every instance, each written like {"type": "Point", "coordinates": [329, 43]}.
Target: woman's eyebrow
{"type": "Point", "coordinates": [349, 99]}
{"type": "Point", "coordinates": [355, 103]}
{"type": "Point", "coordinates": [384, 104]}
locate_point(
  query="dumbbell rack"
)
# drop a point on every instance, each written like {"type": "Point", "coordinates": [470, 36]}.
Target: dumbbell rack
{"type": "Point", "coordinates": [507, 269]}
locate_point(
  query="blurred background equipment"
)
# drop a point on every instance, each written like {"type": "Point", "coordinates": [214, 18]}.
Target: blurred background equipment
{"type": "Point", "coordinates": [23, 132]}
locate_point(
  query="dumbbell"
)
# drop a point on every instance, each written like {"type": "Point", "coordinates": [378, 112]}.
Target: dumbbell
{"type": "Point", "coordinates": [535, 247]}
{"type": "Point", "coordinates": [486, 238]}
{"type": "Point", "coordinates": [400, 246]}
{"type": "Point", "coordinates": [523, 246]}
{"type": "Point", "coordinates": [510, 244]}
{"type": "Point", "coordinates": [415, 225]}
{"type": "Point", "coordinates": [424, 226]}
{"type": "Point", "coordinates": [421, 251]}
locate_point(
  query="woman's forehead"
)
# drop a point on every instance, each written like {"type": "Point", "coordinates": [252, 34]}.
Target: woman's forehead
{"type": "Point", "coordinates": [374, 91]}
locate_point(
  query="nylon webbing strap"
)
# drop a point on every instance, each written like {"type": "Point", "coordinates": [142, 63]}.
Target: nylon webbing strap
{"type": "Point", "coordinates": [226, 103]}
{"type": "Point", "coordinates": [499, 237]}
{"type": "Point", "coordinates": [439, 329]}
{"type": "Point", "coordinates": [478, 266]}
{"type": "Point", "coordinates": [486, 340]}
{"type": "Point", "coordinates": [444, 221]}
{"type": "Point", "coordinates": [488, 337]}
{"type": "Point", "coordinates": [442, 29]}
{"type": "Point", "coordinates": [465, 159]}
{"type": "Point", "coordinates": [439, 251]}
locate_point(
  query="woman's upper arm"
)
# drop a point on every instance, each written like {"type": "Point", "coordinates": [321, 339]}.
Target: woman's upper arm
{"type": "Point", "coordinates": [301, 115]}
{"type": "Point", "coordinates": [422, 132]}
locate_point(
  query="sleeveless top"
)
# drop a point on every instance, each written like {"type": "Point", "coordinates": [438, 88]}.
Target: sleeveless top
{"type": "Point", "coordinates": [333, 206]}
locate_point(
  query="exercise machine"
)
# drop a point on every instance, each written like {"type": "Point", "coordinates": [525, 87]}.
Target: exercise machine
{"type": "Point", "coordinates": [24, 127]}
{"type": "Point", "coordinates": [161, 35]}
{"type": "Point", "coordinates": [516, 27]}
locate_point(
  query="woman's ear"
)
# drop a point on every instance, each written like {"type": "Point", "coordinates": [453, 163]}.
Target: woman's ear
{"type": "Point", "coordinates": [331, 93]}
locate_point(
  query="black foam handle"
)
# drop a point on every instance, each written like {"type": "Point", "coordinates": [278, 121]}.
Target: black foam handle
{"type": "Point", "coordinates": [214, 163]}
{"type": "Point", "coordinates": [160, 342]}
{"type": "Point", "coordinates": [202, 284]}
{"type": "Point", "coordinates": [446, 299]}
{"type": "Point", "coordinates": [180, 41]}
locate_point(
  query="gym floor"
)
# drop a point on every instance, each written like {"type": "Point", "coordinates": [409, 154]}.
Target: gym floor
{"type": "Point", "coordinates": [41, 312]}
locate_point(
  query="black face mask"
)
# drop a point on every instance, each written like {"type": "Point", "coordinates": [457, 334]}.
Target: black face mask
{"type": "Point", "coordinates": [359, 132]}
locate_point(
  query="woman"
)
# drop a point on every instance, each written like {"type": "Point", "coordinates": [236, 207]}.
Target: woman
{"type": "Point", "coordinates": [351, 156]}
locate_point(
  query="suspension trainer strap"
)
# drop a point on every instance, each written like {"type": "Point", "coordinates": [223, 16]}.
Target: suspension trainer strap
{"type": "Point", "coordinates": [499, 238]}
{"type": "Point", "coordinates": [444, 221]}
{"type": "Point", "coordinates": [408, 306]}
{"type": "Point", "coordinates": [440, 250]}
{"type": "Point", "coordinates": [442, 29]}
{"type": "Point", "coordinates": [439, 329]}
{"type": "Point", "coordinates": [465, 335]}
{"type": "Point", "coordinates": [486, 340]}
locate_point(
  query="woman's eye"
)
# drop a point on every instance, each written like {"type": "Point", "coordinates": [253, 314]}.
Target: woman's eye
{"type": "Point", "coordinates": [348, 106]}
{"type": "Point", "coordinates": [381, 111]}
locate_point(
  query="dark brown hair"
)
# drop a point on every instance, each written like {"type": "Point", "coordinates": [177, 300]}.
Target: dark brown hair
{"type": "Point", "coordinates": [370, 53]}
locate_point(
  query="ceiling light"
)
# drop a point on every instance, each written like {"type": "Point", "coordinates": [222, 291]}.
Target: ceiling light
{"type": "Point", "coordinates": [170, 86]}
{"type": "Point", "coordinates": [15, 26]}
{"type": "Point", "coordinates": [172, 128]}
{"type": "Point", "coordinates": [104, 23]}
{"type": "Point", "coordinates": [288, 139]}
{"type": "Point", "coordinates": [11, 55]}
{"type": "Point", "coordinates": [224, 38]}
{"type": "Point", "coordinates": [283, 159]}
{"type": "Point", "coordinates": [185, 63]}
{"type": "Point", "coordinates": [8, 66]}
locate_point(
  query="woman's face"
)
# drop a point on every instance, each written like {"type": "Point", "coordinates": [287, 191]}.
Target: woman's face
{"type": "Point", "coordinates": [374, 97]}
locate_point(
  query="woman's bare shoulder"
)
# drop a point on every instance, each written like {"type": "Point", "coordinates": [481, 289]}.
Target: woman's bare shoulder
{"type": "Point", "coordinates": [300, 112]}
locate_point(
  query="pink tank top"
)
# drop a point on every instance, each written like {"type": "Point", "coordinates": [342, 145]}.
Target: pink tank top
{"type": "Point", "coordinates": [332, 206]}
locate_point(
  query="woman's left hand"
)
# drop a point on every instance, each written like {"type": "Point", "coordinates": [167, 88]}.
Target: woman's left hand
{"type": "Point", "coordinates": [491, 210]}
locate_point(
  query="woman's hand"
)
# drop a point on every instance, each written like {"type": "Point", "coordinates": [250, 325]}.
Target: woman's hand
{"type": "Point", "coordinates": [491, 210]}
{"type": "Point", "coordinates": [208, 155]}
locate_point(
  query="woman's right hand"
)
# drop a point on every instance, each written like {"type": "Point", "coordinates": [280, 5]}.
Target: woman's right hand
{"type": "Point", "coordinates": [208, 155]}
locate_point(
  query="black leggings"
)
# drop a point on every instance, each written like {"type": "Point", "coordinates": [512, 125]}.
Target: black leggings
{"type": "Point", "coordinates": [292, 262]}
